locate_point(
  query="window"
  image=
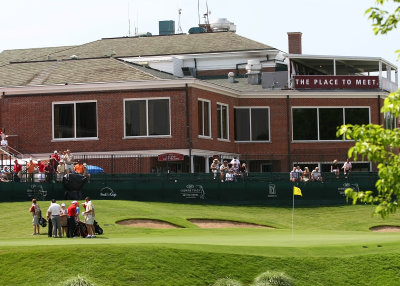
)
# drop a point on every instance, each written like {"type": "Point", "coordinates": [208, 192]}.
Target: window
{"type": "Point", "coordinates": [75, 120]}
{"type": "Point", "coordinates": [252, 124]}
{"type": "Point", "coordinates": [223, 121]}
{"type": "Point", "coordinates": [204, 118]}
{"type": "Point", "coordinates": [322, 123]}
{"type": "Point", "coordinates": [147, 117]}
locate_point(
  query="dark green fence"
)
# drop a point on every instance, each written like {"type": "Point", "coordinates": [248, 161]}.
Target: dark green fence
{"type": "Point", "coordinates": [254, 189]}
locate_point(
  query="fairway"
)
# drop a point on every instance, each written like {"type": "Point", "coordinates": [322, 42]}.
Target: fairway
{"type": "Point", "coordinates": [325, 240]}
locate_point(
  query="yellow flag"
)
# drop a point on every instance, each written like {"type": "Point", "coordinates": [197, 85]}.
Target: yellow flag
{"type": "Point", "coordinates": [297, 191]}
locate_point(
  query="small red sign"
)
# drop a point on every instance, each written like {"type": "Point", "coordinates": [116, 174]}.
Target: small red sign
{"type": "Point", "coordinates": [335, 82]}
{"type": "Point", "coordinates": [166, 157]}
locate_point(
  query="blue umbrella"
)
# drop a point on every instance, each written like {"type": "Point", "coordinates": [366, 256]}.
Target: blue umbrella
{"type": "Point", "coordinates": [94, 169]}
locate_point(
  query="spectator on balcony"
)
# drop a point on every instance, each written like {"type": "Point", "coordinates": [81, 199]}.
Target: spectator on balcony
{"type": "Point", "coordinates": [3, 134]}
{"type": "Point", "coordinates": [215, 167]}
{"type": "Point", "coordinates": [294, 175]}
{"type": "Point", "coordinates": [69, 162]}
{"type": "Point", "coordinates": [60, 171]}
{"type": "Point", "coordinates": [79, 168]}
{"type": "Point", "coordinates": [30, 170]}
{"type": "Point", "coordinates": [306, 174]}
{"type": "Point", "coordinates": [42, 173]}
{"type": "Point", "coordinates": [223, 170]}
{"type": "Point", "coordinates": [335, 168]}
{"type": "Point", "coordinates": [17, 171]}
{"type": "Point", "coordinates": [49, 171]}
{"type": "Point", "coordinates": [243, 169]}
{"type": "Point", "coordinates": [56, 158]}
{"type": "Point", "coordinates": [316, 175]}
{"type": "Point", "coordinates": [4, 143]}
{"type": "Point", "coordinates": [347, 168]}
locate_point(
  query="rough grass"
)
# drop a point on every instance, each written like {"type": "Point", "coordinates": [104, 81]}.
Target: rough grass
{"type": "Point", "coordinates": [329, 246]}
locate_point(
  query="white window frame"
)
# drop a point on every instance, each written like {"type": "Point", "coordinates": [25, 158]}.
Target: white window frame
{"type": "Point", "coordinates": [227, 121]}
{"type": "Point", "coordinates": [250, 123]}
{"type": "Point", "coordinates": [323, 107]}
{"type": "Point", "coordinates": [147, 99]}
{"type": "Point", "coordinates": [74, 103]}
{"type": "Point", "coordinates": [202, 117]}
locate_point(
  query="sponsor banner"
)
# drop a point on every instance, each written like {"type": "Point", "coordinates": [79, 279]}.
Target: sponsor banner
{"type": "Point", "coordinates": [170, 157]}
{"type": "Point", "coordinates": [335, 82]}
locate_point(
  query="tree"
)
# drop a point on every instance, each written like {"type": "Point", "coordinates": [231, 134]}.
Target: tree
{"type": "Point", "coordinates": [374, 142]}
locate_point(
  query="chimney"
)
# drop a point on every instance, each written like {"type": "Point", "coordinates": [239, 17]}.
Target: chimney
{"type": "Point", "coordinates": [294, 42]}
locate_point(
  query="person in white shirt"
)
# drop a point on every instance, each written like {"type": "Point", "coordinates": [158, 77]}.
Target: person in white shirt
{"type": "Point", "coordinates": [54, 212]}
{"type": "Point", "coordinates": [316, 175]}
{"type": "Point", "coordinates": [347, 168]}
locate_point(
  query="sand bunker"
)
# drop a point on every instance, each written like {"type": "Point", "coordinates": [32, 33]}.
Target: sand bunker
{"type": "Point", "coordinates": [214, 223]}
{"type": "Point", "coordinates": [150, 223]}
{"type": "Point", "coordinates": [385, 228]}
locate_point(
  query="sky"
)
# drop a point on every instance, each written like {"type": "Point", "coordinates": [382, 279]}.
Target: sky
{"type": "Point", "coordinates": [329, 27]}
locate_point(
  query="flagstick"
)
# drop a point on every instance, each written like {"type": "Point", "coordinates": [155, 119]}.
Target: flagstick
{"type": "Point", "coordinates": [293, 215]}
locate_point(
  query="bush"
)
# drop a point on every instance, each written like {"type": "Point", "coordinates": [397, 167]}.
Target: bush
{"type": "Point", "coordinates": [227, 282]}
{"type": "Point", "coordinates": [270, 278]}
{"type": "Point", "coordinates": [78, 281]}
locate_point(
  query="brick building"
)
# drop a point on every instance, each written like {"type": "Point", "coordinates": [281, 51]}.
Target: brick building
{"type": "Point", "coordinates": [173, 102]}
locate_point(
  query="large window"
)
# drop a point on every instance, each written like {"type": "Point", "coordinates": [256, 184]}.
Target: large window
{"type": "Point", "coordinates": [252, 124]}
{"type": "Point", "coordinates": [204, 118]}
{"type": "Point", "coordinates": [223, 121]}
{"type": "Point", "coordinates": [75, 120]}
{"type": "Point", "coordinates": [147, 117]}
{"type": "Point", "coordinates": [322, 123]}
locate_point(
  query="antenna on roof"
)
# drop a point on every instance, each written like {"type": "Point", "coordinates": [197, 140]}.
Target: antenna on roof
{"type": "Point", "coordinates": [129, 21]}
{"type": "Point", "coordinates": [198, 10]}
{"type": "Point", "coordinates": [179, 31]}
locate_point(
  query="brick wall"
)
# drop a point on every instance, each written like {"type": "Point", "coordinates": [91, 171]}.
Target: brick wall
{"type": "Point", "coordinates": [30, 118]}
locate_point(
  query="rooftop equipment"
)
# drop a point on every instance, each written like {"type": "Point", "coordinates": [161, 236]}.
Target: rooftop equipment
{"type": "Point", "coordinates": [166, 27]}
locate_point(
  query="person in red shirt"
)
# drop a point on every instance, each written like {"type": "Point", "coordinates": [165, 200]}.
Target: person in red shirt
{"type": "Point", "coordinates": [41, 168]}
{"type": "Point", "coordinates": [17, 171]}
{"type": "Point", "coordinates": [71, 220]}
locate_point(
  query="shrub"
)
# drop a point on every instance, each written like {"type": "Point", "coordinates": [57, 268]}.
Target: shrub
{"type": "Point", "coordinates": [270, 278]}
{"type": "Point", "coordinates": [227, 282]}
{"type": "Point", "coordinates": [78, 281]}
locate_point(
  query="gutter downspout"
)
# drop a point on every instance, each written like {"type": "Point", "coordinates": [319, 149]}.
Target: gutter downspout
{"type": "Point", "coordinates": [288, 131]}
{"type": "Point", "coordinates": [188, 135]}
{"type": "Point", "coordinates": [379, 110]}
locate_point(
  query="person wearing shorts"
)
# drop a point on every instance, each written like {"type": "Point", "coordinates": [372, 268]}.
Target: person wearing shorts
{"type": "Point", "coordinates": [89, 217]}
{"type": "Point", "coordinates": [35, 210]}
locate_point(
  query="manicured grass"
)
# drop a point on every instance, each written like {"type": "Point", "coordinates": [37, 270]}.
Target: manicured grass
{"type": "Point", "coordinates": [329, 246]}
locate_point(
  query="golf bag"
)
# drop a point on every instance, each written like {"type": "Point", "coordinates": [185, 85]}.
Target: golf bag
{"type": "Point", "coordinates": [80, 229]}
{"type": "Point", "coordinates": [97, 228]}
{"type": "Point", "coordinates": [42, 221]}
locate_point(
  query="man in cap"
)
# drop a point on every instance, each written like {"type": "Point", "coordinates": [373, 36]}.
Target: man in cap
{"type": "Point", "coordinates": [17, 171]}
{"type": "Point", "coordinates": [71, 219]}
{"type": "Point", "coordinates": [69, 162]}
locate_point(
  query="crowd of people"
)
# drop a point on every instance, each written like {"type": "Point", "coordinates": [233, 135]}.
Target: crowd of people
{"type": "Point", "coordinates": [62, 221]}
{"type": "Point", "coordinates": [228, 172]}
{"type": "Point", "coordinates": [298, 175]}
{"type": "Point", "coordinates": [50, 170]}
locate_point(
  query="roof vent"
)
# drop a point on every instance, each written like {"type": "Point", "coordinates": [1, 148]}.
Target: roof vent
{"type": "Point", "coordinates": [222, 25]}
{"type": "Point", "coordinates": [231, 77]}
{"type": "Point", "coordinates": [74, 57]}
{"type": "Point", "coordinates": [253, 66]}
